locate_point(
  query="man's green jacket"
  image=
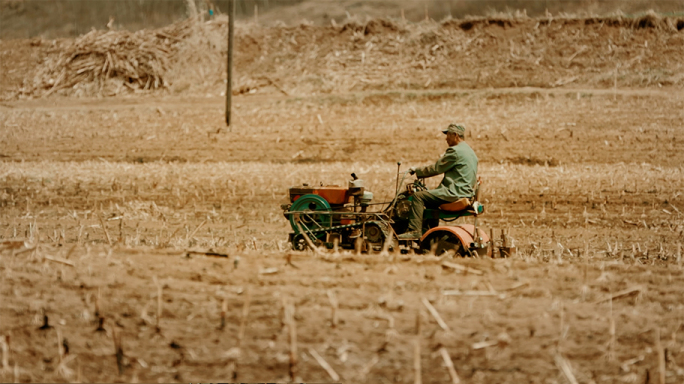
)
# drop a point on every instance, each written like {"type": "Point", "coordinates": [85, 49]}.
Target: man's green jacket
{"type": "Point", "coordinates": [459, 166]}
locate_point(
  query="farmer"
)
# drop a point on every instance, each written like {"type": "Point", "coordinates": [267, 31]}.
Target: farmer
{"type": "Point", "coordinates": [459, 166]}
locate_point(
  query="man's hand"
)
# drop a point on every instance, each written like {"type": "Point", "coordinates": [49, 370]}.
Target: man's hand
{"type": "Point", "coordinates": [411, 171]}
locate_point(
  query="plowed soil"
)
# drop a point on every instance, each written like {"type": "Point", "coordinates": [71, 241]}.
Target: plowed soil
{"type": "Point", "coordinates": [106, 203]}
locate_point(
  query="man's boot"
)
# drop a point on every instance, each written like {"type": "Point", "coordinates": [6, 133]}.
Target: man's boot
{"type": "Point", "coordinates": [411, 235]}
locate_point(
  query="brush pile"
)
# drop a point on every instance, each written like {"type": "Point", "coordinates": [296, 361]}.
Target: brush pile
{"type": "Point", "coordinates": [107, 61]}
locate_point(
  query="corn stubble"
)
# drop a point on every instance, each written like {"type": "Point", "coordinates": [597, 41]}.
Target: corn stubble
{"type": "Point", "coordinates": [196, 237]}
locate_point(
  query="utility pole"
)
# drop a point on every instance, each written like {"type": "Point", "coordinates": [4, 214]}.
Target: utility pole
{"type": "Point", "coordinates": [229, 83]}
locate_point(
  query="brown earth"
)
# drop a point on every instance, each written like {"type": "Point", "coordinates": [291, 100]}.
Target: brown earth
{"type": "Point", "coordinates": [587, 180]}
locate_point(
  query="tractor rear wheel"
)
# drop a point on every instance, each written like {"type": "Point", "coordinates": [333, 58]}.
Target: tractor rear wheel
{"type": "Point", "coordinates": [442, 242]}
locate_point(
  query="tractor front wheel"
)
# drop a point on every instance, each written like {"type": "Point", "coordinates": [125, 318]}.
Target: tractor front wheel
{"type": "Point", "coordinates": [298, 242]}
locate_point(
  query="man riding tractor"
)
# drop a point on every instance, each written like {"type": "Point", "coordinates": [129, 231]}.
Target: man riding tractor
{"type": "Point", "coordinates": [459, 166]}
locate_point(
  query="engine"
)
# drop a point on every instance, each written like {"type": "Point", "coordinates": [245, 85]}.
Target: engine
{"type": "Point", "coordinates": [331, 215]}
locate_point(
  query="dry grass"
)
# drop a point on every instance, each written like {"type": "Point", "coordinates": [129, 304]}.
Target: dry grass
{"type": "Point", "coordinates": [512, 126]}
{"type": "Point", "coordinates": [377, 54]}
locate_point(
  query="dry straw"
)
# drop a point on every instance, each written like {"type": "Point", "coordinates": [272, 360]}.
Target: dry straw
{"type": "Point", "coordinates": [435, 314]}
{"type": "Point", "coordinates": [5, 352]}
{"type": "Point", "coordinates": [113, 61]}
{"type": "Point", "coordinates": [417, 370]}
{"type": "Point", "coordinates": [334, 304]}
{"type": "Point", "coordinates": [289, 314]}
{"type": "Point", "coordinates": [324, 364]}
{"type": "Point", "coordinates": [245, 314]}
{"type": "Point", "coordinates": [450, 366]}
{"type": "Point", "coordinates": [159, 301]}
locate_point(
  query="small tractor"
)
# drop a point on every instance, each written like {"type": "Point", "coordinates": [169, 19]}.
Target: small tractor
{"type": "Point", "coordinates": [337, 217]}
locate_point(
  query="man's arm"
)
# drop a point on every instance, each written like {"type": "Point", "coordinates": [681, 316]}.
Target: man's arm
{"type": "Point", "coordinates": [442, 165]}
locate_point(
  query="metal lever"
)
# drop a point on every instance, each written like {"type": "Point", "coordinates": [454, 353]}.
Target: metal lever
{"type": "Point", "coordinates": [396, 189]}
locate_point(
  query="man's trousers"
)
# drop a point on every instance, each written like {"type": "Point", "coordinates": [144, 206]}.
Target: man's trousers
{"type": "Point", "coordinates": [422, 200]}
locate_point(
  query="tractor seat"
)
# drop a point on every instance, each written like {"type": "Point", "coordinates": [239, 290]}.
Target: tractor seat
{"type": "Point", "coordinates": [456, 206]}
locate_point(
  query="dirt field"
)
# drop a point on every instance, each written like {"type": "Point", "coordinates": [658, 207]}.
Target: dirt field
{"type": "Point", "coordinates": [108, 202]}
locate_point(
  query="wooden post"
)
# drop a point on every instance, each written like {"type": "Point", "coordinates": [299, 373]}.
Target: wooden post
{"type": "Point", "coordinates": [229, 83]}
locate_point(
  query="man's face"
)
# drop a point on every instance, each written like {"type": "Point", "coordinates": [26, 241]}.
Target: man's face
{"type": "Point", "coordinates": [451, 139]}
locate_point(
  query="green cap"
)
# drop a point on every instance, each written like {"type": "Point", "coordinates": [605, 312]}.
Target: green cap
{"type": "Point", "coordinates": [458, 129]}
